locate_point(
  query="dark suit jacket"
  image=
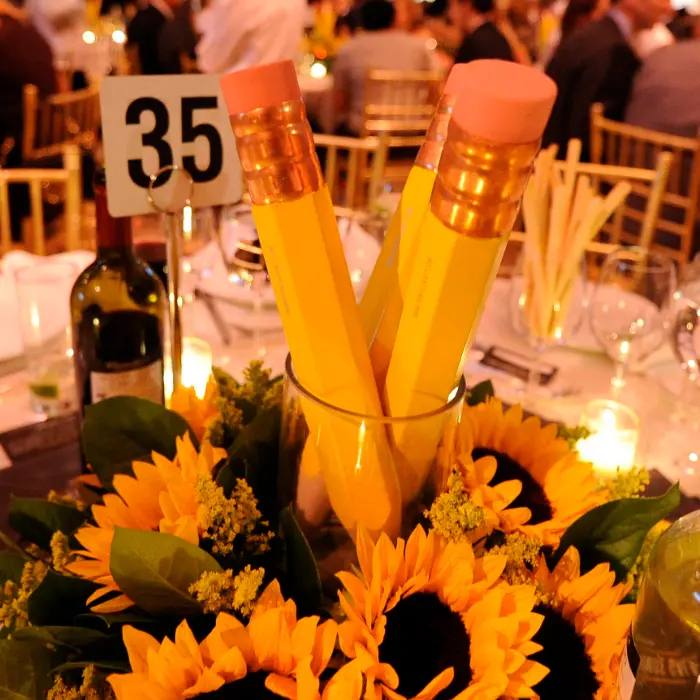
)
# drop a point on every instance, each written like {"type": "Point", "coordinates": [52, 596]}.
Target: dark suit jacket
{"type": "Point", "coordinates": [594, 64]}
{"type": "Point", "coordinates": [485, 41]}
{"type": "Point", "coordinates": [144, 33]}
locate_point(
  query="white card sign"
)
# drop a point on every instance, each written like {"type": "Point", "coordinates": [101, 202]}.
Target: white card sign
{"type": "Point", "coordinates": [150, 122]}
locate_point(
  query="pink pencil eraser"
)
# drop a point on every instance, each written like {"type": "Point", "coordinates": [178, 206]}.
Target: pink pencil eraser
{"type": "Point", "coordinates": [503, 101]}
{"type": "Point", "coordinates": [268, 85]}
{"type": "Point", "coordinates": [455, 78]}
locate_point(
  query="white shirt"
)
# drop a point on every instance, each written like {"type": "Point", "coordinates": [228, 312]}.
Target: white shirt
{"type": "Point", "coordinates": [239, 34]}
{"type": "Point", "coordinates": [649, 40]}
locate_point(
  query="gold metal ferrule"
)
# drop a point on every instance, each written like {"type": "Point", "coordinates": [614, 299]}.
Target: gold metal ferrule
{"type": "Point", "coordinates": [429, 154]}
{"type": "Point", "coordinates": [277, 153]}
{"type": "Point", "coordinates": [479, 183]}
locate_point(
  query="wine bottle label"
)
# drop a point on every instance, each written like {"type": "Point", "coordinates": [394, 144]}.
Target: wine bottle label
{"type": "Point", "coordinates": [143, 383]}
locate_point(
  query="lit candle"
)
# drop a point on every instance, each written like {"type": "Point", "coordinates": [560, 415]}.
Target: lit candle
{"type": "Point", "coordinates": [613, 442]}
{"type": "Point", "coordinates": [196, 367]}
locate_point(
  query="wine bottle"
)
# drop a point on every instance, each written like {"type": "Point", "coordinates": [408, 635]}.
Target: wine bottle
{"type": "Point", "coordinates": [118, 307]}
{"type": "Point", "coordinates": [663, 655]}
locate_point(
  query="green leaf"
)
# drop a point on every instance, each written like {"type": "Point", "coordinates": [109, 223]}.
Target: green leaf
{"type": "Point", "coordinates": [122, 429]}
{"type": "Point", "coordinates": [11, 566]}
{"type": "Point", "coordinates": [111, 619]}
{"type": "Point", "coordinates": [103, 664]}
{"type": "Point", "coordinates": [254, 456]}
{"type": "Point", "coordinates": [480, 393]}
{"type": "Point", "coordinates": [304, 580]}
{"type": "Point", "coordinates": [156, 570]}
{"type": "Point", "coordinates": [25, 670]}
{"type": "Point", "coordinates": [36, 519]}
{"type": "Point", "coordinates": [615, 532]}
{"type": "Point", "coordinates": [58, 599]}
{"type": "Point", "coordinates": [75, 637]}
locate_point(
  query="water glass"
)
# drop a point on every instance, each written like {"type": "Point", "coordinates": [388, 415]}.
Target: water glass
{"type": "Point", "coordinates": [630, 311]}
{"type": "Point", "coordinates": [43, 299]}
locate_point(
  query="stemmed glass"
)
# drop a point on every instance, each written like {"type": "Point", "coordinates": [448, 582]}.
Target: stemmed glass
{"type": "Point", "coordinates": [630, 307]}
{"type": "Point", "coordinates": [549, 324]}
{"type": "Point", "coordinates": [200, 247]}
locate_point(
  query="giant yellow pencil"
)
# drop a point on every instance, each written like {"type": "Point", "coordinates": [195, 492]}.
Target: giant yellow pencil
{"type": "Point", "coordinates": [497, 121]}
{"type": "Point", "coordinates": [304, 256]}
{"type": "Point", "coordinates": [382, 302]}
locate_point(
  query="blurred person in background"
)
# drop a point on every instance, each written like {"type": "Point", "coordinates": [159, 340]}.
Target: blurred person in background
{"type": "Point", "coordinates": [143, 33]}
{"type": "Point", "coordinates": [177, 40]}
{"type": "Point", "coordinates": [239, 34]}
{"type": "Point", "coordinates": [380, 46]}
{"type": "Point", "coordinates": [666, 92]}
{"type": "Point", "coordinates": [597, 63]}
{"type": "Point", "coordinates": [61, 23]}
{"type": "Point", "coordinates": [578, 14]}
{"type": "Point", "coordinates": [25, 59]}
{"type": "Point", "coordinates": [482, 37]}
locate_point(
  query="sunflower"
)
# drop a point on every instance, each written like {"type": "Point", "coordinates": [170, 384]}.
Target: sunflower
{"type": "Point", "coordinates": [274, 655]}
{"type": "Point", "coordinates": [519, 469]}
{"type": "Point", "coordinates": [179, 500]}
{"type": "Point", "coordinates": [584, 630]}
{"type": "Point", "coordinates": [428, 620]}
{"type": "Point", "coordinates": [138, 504]}
{"type": "Point", "coordinates": [199, 413]}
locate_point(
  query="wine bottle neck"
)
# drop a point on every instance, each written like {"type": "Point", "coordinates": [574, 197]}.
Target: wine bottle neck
{"type": "Point", "coordinates": [113, 234]}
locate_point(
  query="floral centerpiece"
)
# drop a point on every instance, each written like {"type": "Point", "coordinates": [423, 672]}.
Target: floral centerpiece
{"type": "Point", "coordinates": [177, 573]}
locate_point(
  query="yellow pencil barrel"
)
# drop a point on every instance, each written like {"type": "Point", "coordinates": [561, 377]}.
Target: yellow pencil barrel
{"type": "Point", "coordinates": [474, 203]}
{"type": "Point", "coordinates": [304, 255]}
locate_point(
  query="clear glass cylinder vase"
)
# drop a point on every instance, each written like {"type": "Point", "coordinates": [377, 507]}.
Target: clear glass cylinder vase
{"type": "Point", "coordinates": [329, 476]}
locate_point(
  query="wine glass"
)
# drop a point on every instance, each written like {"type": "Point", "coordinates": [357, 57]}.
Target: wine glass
{"type": "Point", "coordinates": [549, 323]}
{"type": "Point", "coordinates": [200, 247]}
{"type": "Point", "coordinates": [630, 308]}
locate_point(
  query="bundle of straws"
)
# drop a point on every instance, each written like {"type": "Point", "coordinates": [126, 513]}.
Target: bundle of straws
{"type": "Point", "coordinates": [563, 214]}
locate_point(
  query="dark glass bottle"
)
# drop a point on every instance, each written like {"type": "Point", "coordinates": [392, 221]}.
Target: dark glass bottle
{"type": "Point", "coordinates": [118, 311]}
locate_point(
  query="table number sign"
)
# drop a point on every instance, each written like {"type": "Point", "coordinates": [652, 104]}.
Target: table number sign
{"type": "Point", "coordinates": [150, 123]}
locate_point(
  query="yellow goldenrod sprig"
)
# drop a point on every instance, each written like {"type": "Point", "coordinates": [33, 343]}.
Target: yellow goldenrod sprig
{"type": "Point", "coordinates": [573, 435]}
{"type": "Point", "coordinates": [14, 598]}
{"type": "Point", "coordinates": [522, 555]}
{"type": "Point", "coordinates": [627, 484]}
{"type": "Point", "coordinates": [61, 554]}
{"type": "Point", "coordinates": [453, 515]}
{"type": "Point", "coordinates": [64, 500]}
{"type": "Point", "coordinates": [224, 592]}
{"type": "Point", "coordinates": [234, 524]}
{"type": "Point", "coordinates": [90, 689]}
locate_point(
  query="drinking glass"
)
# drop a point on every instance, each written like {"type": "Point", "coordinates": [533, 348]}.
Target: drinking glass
{"type": "Point", "coordinates": [43, 299]}
{"type": "Point", "coordinates": [630, 308]}
{"type": "Point", "coordinates": [329, 475]}
{"type": "Point", "coordinates": [547, 324]}
{"type": "Point", "coordinates": [200, 247]}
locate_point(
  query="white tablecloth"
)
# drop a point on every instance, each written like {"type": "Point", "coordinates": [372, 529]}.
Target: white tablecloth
{"type": "Point", "coordinates": [584, 374]}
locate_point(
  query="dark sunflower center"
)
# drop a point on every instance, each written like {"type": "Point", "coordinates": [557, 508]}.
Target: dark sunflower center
{"type": "Point", "coordinates": [564, 654]}
{"type": "Point", "coordinates": [423, 638]}
{"type": "Point", "coordinates": [252, 687]}
{"type": "Point", "coordinates": [532, 496]}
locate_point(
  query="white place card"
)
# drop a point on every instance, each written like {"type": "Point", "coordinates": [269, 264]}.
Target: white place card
{"type": "Point", "coordinates": [149, 122]}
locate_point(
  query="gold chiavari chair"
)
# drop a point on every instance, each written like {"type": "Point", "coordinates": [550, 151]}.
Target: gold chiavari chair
{"type": "Point", "coordinates": [647, 183]}
{"type": "Point", "coordinates": [632, 146]}
{"type": "Point", "coordinates": [356, 163]}
{"type": "Point", "coordinates": [400, 104]}
{"type": "Point", "coordinates": [69, 117]}
{"type": "Point", "coordinates": [37, 179]}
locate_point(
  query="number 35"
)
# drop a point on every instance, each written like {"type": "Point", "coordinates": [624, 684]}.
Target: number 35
{"type": "Point", "coordinates": [190, 131]}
